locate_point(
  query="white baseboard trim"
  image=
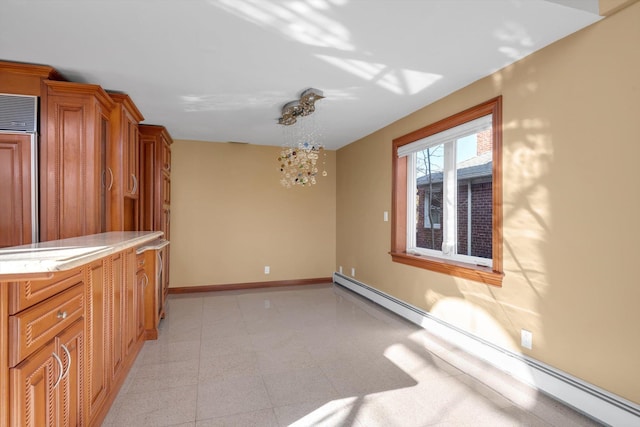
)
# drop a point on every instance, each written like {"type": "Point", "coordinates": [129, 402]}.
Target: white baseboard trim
{"type": "Point", "coordinates": [587, 398]}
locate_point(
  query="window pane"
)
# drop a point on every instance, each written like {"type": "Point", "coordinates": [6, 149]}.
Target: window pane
{"type": "Point", "coordinates": [429, 163]}
{"type": "Point", "coordinates": [474, 211]}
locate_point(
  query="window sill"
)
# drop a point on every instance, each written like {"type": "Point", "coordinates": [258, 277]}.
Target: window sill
{"type": "Point", "coordinates": [452, 268]}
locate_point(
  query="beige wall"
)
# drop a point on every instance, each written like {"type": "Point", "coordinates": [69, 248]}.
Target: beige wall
{"type": "Point", "coordinates": [230, 217]}
{"type": "Point", "coordinates": [571, 209]}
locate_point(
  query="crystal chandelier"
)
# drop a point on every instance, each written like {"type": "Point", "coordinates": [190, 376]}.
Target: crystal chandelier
{"type": "Point", "coordinates": [301, 152]}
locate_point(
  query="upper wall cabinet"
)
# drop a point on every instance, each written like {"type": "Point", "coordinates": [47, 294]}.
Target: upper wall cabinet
{"type": "Point", "coordinates": [124, 162]}
{"type": "Point", "coordinates": [155, 167]}
{"type": "Point", "coordinates": [75, 178]}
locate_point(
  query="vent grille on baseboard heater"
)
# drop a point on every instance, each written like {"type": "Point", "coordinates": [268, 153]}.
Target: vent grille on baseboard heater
{"type": "Point", "coordinates": [18, 113]}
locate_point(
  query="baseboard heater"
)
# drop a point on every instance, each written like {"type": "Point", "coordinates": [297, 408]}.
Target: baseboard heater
{"type": "Point", "coordinates": [587, 398]}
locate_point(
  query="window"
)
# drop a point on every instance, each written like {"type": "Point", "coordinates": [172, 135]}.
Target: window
{"type": "Point", "coordinates": [447, 195]}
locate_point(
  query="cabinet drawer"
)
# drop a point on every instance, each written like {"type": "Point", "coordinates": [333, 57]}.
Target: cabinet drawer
{"type": "Point", "coordinates": [27, 293]}
{"type": "Point", "coordinates": [33, 327]}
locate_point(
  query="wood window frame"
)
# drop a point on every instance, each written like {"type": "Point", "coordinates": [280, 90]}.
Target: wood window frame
{"type": "Point", "coordinates": [490, 276]}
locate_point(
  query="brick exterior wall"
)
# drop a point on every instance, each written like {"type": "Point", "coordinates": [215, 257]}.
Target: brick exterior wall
{"type": "Point", "coordinates": [484, 142]}
{"type": "Point", "coordinates": [481, 221]}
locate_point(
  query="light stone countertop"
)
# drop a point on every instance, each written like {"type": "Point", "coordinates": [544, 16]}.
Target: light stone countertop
{"type": "Point", "coordinates": [65, 254]}
{"type": "Point", "coordinates": [152, 245]}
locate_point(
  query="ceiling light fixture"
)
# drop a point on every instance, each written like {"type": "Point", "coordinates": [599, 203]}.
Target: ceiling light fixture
{"type": "Point", "coordinates": [302, 107]}
{"type": "Point", "coordinates": [301, 151]}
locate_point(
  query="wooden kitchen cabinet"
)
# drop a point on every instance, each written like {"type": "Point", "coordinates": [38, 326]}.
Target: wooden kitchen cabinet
{"type": "Point", "coordinates": [16, 219]}
{"type": "Point", "coordinates": [123, 159]}
{"type": "Point", "coordinates": [155, 202]}
{"type": "Point", "coordinates": [47, 380]}
{"type": "Point", "coordinates": [154, 291]}
{"type": "Point", "coordinates": [155, 167]}
{"type": "Point", "coordinates": [125, 339]}
{"type": "Point", "coordinates": [47, 386]}
{"type": "Point", "coordinates": [73, 157]}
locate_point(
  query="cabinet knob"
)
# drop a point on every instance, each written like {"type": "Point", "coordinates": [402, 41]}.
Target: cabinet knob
{"type": "Point", "coordinates": [62, 315]}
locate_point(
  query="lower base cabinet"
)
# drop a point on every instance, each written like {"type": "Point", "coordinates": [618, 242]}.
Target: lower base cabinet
{"type": "Point", "coordinates": [153, 273]}
{"type": "Point", "coordinates": [47, 387]}
{"type": "Point", "coordinates": [68, 354]}
{"type": "Point", "coordinates": [115, 339]}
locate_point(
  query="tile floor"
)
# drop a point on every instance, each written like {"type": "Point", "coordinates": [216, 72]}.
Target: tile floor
{"type": "Point", "coordinates": [314, 356]}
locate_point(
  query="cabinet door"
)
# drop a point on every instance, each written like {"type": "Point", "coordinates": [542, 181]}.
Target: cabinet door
{"type": "Point", "coordinates": [70, 390]}
{"type": "Point", "coordinates": [74, 161]}
{"type": "Point", "coordinates": [15, 190]}
{"type": "Point", "coordinates": [97, 337]}
{"type": "Point", "coordinates": [148, 197]}
{"type": "Point", "coordinates": [117, 313]}
{"type": "Point", "coordinates": [152, 294]}
{"type": "Point", "coordinates": [131, 301]}
{"type": "Point", "coordinates": [33, 394]}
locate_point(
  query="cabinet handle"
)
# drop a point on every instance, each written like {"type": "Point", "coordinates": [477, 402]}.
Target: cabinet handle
{"type": "Point", "coordinates": [62, 315]}
{"type": "Point", "coordinates": [55, 356]}
{"type": "Point", "coordinates": [111, 183]}
{"type": "Point", "coordinates": [135, 184]}
{"type": "Point", "coordinates": [146, 280]}
{"type": "Point", "coordinates": [66, 350]}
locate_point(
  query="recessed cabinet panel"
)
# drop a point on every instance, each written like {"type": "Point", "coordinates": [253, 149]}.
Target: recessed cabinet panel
{"type": "Point", "coordinates": [15, 190]}
{"type": "Point", "coordinates": [32, 389]}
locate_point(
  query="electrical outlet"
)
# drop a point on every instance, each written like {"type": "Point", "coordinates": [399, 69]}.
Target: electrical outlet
{"type": "Point", "coordinates": [267, 269]}
{"type": "Point", "coordinates": [385, 216]}
{"type": "Point", "coordinates": [353, 272]}
{"type": "Point", "coordinates": [526, 339]}
{"type": "Point", "coordinates": [340, 269]}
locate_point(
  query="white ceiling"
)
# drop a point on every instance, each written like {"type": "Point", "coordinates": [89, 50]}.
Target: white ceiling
{"type": "Point", "coordinates": [222, 70]}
